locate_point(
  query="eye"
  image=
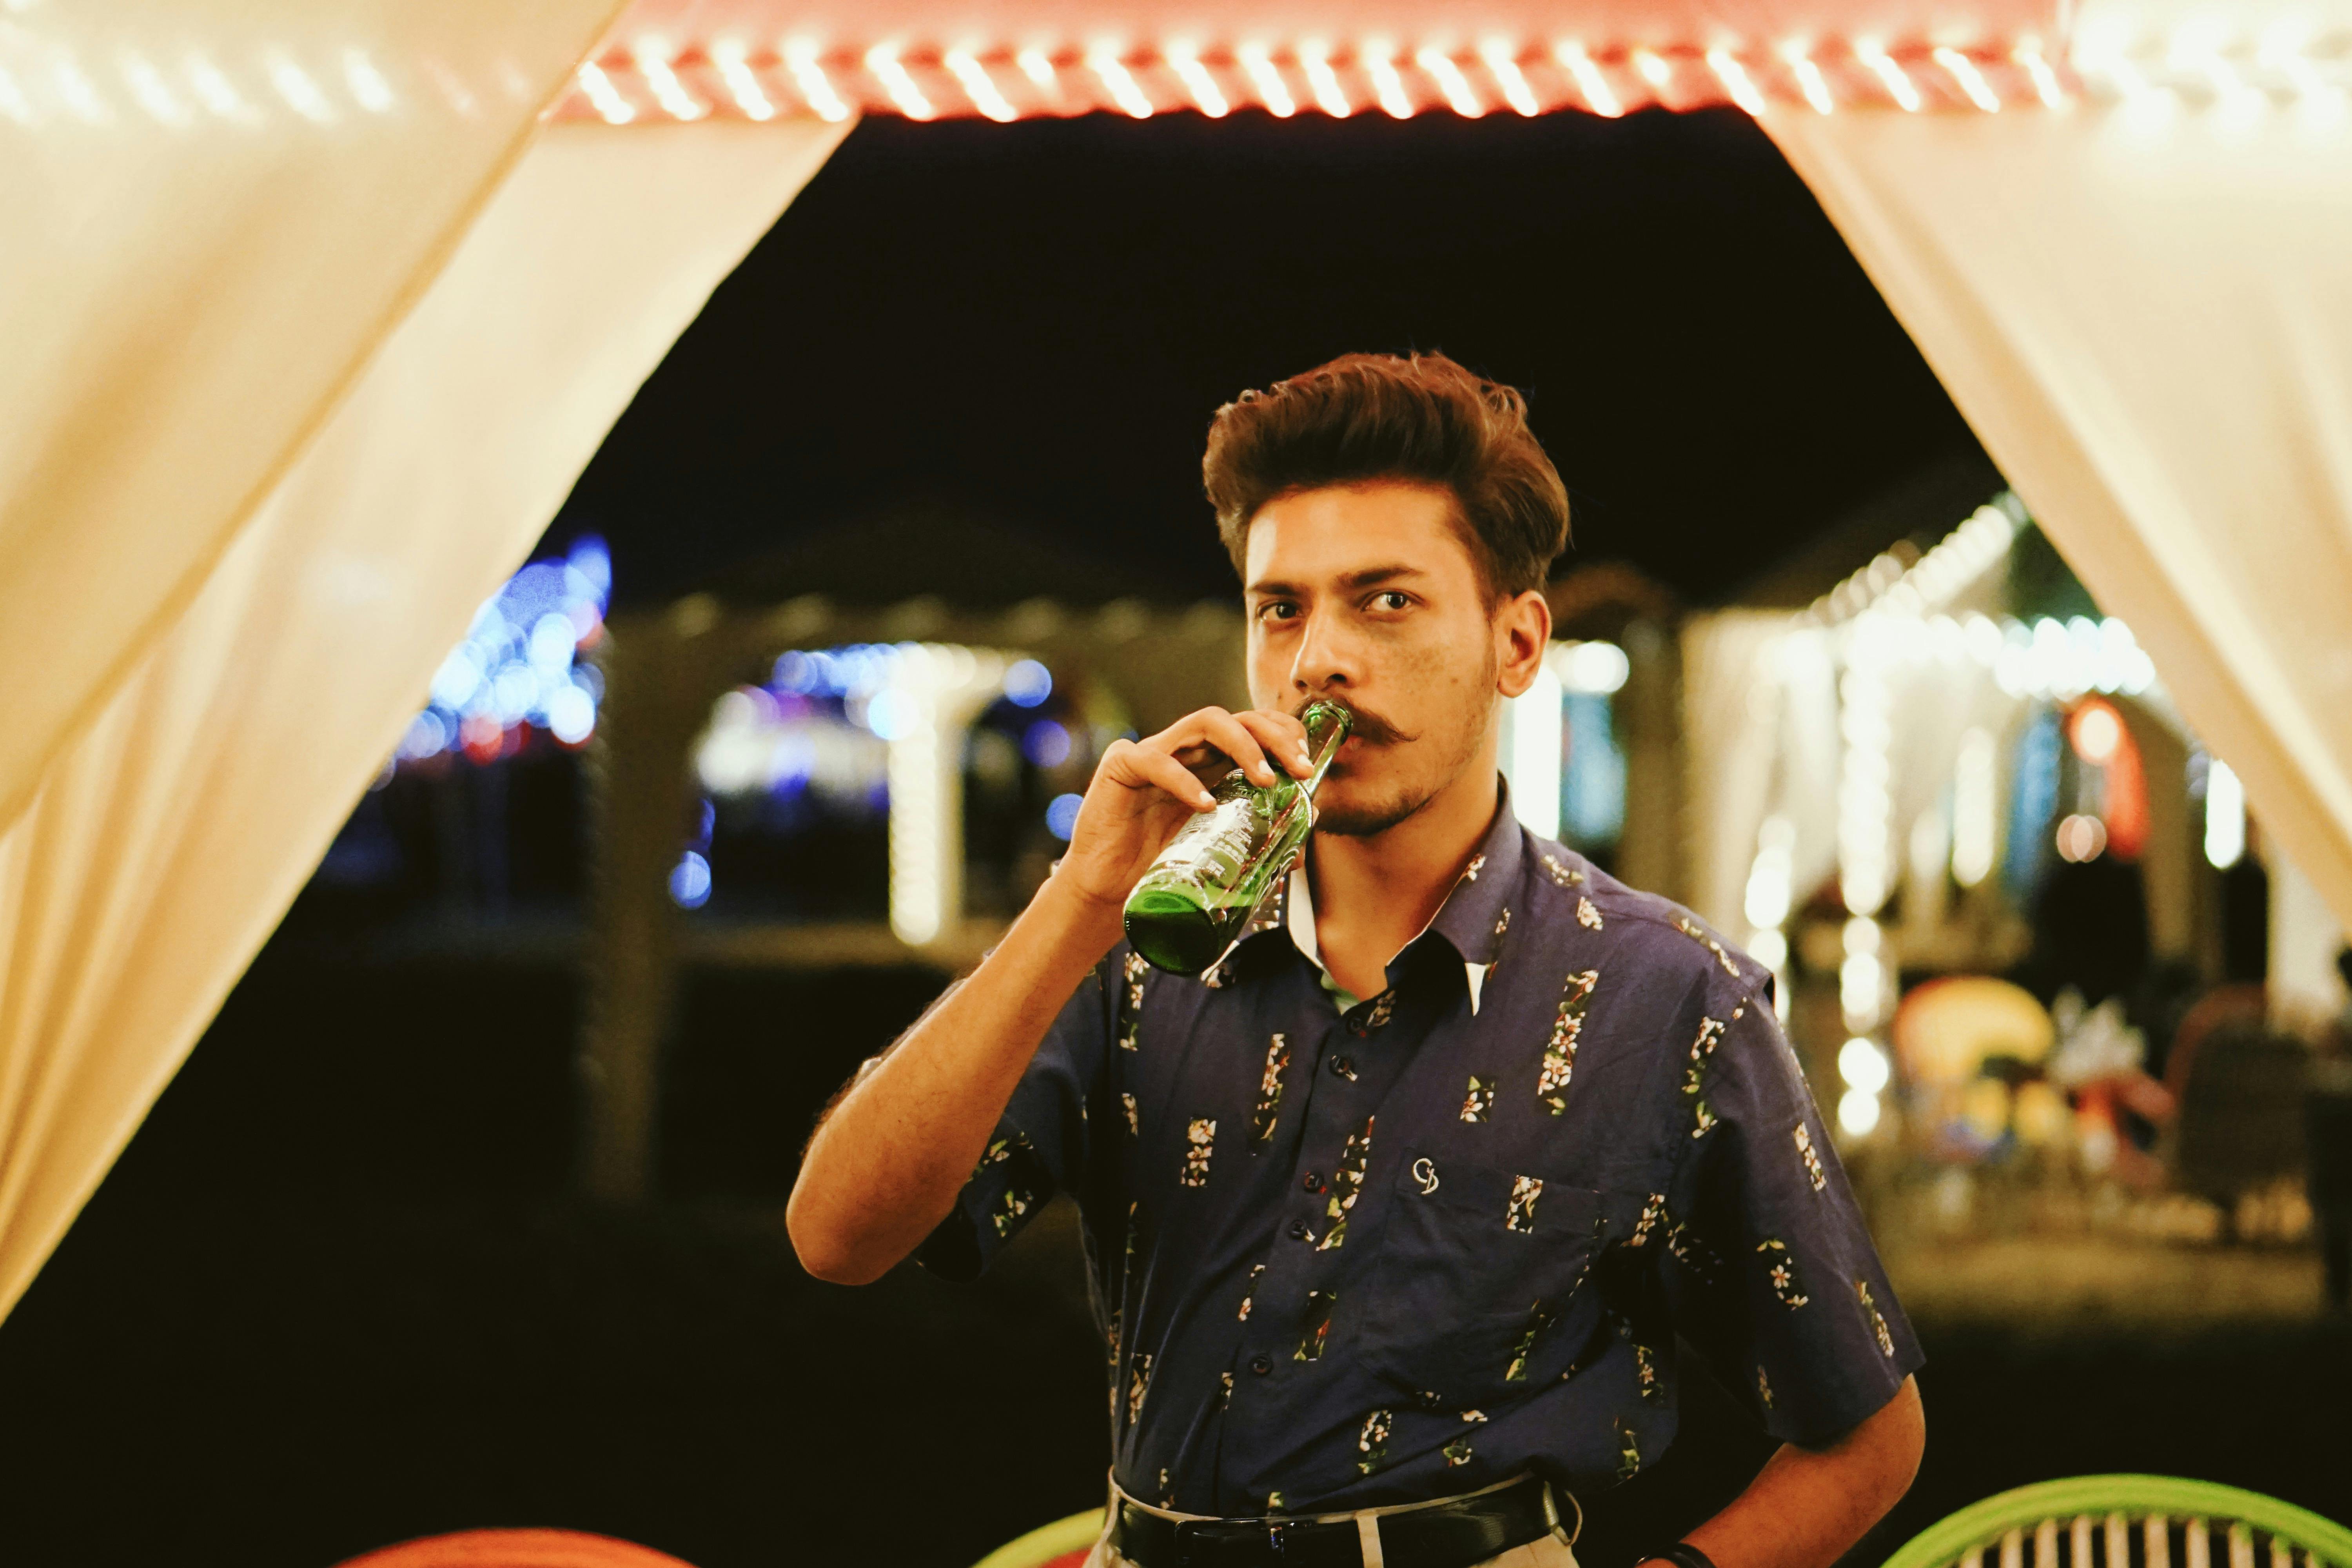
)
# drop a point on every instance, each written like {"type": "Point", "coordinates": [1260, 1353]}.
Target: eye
{"type": "Point", "coordinates": [1392, 599]}
{"type": "Point", "coordinates": [1277, 610]}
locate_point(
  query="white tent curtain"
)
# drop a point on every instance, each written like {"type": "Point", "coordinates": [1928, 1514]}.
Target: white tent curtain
{"type": "Point", "coordinates": [214, 212]}
{"type": "Point", "coordinates": [163, 843]}
{"type": "Point", "coordinates": [2145, 311]}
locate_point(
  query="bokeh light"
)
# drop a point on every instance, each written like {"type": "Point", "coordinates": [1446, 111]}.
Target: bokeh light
{"type": "Point", "coordinates": [517, 671]}
{"type": "Point", "coordinates": [1863, 1065]}
{"type": "Point", "coordinates": [889, 714]}
{"type": "Point", "coordinates": [2225, 816]}
{"type": "Point", "coordinates": [1858, 1113]}
{"type": "Point", "coordinates": [1027, 683]}
{"type": "Point", "coordinates": [1046, 743]}
{"type": "Point", "coordinates": [1597, 668]}
{"type": "Point", "coordinates": [2082, 837]}
{"type": "Point", "coordinates": [689, 881]}
{"type": "Point", "coordinates": [571, 715]}
{"type": "Point", "coordinates": [2096, 731]}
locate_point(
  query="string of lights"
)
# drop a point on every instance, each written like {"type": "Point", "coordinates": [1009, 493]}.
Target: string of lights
{"type": "Point", "coordinates": [633, 85]}
{"type": "Point", "coordinates": [1900, 613]}
{"type": "Point", "coordinates": [654, 80]}
{"type": "Point", "coordinates": [1886, 614]}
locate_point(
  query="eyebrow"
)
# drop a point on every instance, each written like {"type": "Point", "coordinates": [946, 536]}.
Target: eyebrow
{"type": "Point", "coordinates": [1371, 577]}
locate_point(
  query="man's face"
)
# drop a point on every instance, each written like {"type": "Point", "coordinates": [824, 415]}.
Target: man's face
{"type": "Point", "coordinates": [1367, 594]}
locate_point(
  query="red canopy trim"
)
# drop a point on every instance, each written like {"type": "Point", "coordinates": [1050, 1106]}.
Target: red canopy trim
{"type": "Point", "coordinates": [651, 81]}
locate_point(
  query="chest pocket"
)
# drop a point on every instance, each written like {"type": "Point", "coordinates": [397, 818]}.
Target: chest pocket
{"type": "Point", "coordinates": [1480, 1282]}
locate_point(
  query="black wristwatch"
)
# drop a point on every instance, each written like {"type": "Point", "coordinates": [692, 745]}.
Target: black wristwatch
{"type": "Point", "coordinates": [1683, 1554]}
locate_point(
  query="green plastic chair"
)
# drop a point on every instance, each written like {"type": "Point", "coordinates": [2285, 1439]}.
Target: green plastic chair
{"type": "Point", "coordinates": [1060, 1538]}
{"type": "Point", "coordinates": [2129, 1522]}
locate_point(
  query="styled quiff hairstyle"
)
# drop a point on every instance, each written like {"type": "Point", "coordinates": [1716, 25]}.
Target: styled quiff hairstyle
{"type": "Point", "coordinates": [1423, 420]}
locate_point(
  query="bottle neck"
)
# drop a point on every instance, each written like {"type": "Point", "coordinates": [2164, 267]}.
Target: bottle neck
{"type": "Point", "coordinates": [1327, 732]}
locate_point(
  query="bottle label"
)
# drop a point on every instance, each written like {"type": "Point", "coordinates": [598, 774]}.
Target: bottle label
{"type": "Point", "coordinates": [1223, 863]}
{"type": "Point", "coordinates": [1207, 855]}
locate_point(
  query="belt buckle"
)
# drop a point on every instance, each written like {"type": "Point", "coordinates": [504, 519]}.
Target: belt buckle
{"type": "Point", "coordinates": [1551, 1515]}
{"type": "Point", "coordinates": [1231, 1544]}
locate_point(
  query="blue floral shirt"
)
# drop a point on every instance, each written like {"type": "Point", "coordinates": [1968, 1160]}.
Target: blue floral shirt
{"type": "Point", "coordinates": [1405, 1251]}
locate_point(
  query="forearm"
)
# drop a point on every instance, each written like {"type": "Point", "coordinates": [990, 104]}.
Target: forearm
{"type": "Point", "coordinates": [886, 1165]}
{"type": "Point", "coordinates": [1808, 1506]}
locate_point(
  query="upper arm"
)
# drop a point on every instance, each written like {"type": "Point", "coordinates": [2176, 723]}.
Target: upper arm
{"type": "Point", "coordinates": [1045, 1140]}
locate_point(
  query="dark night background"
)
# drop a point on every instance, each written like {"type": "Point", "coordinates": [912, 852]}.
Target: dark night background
{"type": "Point", "coordinates": [1037, 320]}
{"type": "Point", "coordinates": [340, 1292]}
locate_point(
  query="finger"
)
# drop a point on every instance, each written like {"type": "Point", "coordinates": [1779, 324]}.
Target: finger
{"type": "Point", "coordinates": [1236, 740]}
{"type": "Point", "coordinates": [1283, 736]}
{"type": "Point", "coordinates": [1143, 767]}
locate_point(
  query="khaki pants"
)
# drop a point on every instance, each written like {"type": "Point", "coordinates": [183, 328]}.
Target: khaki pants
{"type": "Point", "coordinates": [1549, 1552]}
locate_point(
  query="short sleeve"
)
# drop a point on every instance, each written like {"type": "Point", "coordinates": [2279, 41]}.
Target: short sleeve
{"type": "Point", "coordinates": [1770, 1270]}
{"type": "Point", "coordinates": [1041, 1144]}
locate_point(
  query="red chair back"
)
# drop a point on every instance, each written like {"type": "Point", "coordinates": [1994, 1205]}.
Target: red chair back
{"type": "Point", "coordinates": [515, 1549]}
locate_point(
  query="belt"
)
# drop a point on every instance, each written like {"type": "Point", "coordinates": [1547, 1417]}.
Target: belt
{"type": "Point", "coordinates": [1454, 1532]}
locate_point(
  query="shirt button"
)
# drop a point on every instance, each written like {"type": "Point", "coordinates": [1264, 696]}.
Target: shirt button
{"type": "Point", "coordinates": [1261, 1364]}
{"type": "Point", "coordinates": [1314, 1181]}
{"type": "Point", "coordinates": [1342, 1068]}
{"type": "Point", "coordinates": [1298, 1231]}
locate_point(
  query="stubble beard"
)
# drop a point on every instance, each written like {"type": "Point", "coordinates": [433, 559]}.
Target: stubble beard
{"type": "Point", "coordinates": [1370, 821]}
{"type": "Point", "coordinates": [1372, 818]}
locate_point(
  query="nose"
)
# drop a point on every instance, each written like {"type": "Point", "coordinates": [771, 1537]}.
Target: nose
{"type": "Point", "coordinates": [1326, 660]}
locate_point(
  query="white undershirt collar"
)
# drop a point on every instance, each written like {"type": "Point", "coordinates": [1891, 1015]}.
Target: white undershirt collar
{"type": "Point", "coordinates": [1298, 914]}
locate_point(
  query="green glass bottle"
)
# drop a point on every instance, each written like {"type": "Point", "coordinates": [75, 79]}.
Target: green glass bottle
{"type": "Point", "coordinates": [1191, 906]}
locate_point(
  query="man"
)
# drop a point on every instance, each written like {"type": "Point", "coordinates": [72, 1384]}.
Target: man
{"type": "Point", "coordinates": [1394, 1215]}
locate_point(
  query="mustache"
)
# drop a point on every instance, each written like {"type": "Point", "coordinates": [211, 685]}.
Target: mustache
{"type": "Point", "coordinates": [1368, 726]}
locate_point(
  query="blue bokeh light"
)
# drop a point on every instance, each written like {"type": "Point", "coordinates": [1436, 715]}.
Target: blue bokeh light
{"type": "Point", "coordinates": [689, 881]}
{"type": "Point", "coordinates": [1046, 743]}
{"type": "Point", "coordinates": [1028, 683]}
{"type": "Point", "coordinates": [795, 671]}
{"type": "Point", "coordinates": [594, 561]}
{"type": "Point", "coordinates": [520, 663]}
{"type": "Point", "coordinates": [1062, 815]}
{"type": "Point", "coordinates": [428, 733]}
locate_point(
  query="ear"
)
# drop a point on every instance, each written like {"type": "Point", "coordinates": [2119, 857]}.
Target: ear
{"type": "Point", "coordinates": [1522, 628]}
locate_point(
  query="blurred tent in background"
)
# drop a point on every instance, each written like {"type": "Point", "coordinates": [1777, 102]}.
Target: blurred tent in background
{"type": "Point", "coordinates": [875, 771]}
{"type": "Point", "coordinates": [1958, 814]}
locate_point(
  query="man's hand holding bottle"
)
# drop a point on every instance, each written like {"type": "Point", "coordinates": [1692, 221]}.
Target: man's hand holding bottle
{"type": "Point", "coordinates": [1143, 792]}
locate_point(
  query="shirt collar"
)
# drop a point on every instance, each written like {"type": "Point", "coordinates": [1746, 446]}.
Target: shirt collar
{"type": "Point", "coordinates": [1472, 917]}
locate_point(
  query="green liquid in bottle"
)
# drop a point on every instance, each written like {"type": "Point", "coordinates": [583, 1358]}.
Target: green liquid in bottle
{"type": "Point", "coordinates": [1193, 904]}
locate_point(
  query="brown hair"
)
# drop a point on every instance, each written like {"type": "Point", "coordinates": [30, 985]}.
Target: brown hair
{"type": "Point", "coordinates": [1423, 419]}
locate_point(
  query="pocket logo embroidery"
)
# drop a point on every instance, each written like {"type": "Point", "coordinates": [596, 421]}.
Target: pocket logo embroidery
{"type": "Point", "coordinates": [1426, 1174]}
